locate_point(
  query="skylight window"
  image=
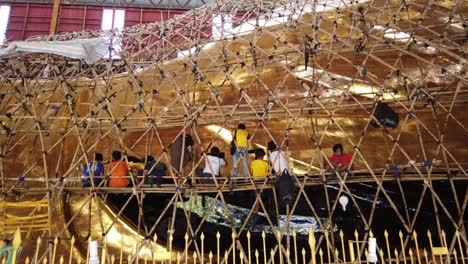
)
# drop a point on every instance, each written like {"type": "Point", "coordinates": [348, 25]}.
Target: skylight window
{"type": "Point", "coordinates": [222, 26]}
{"type": "Point", "coordinates": [113, 19]}
{"type": "Point", "coordinates": [4, 15]}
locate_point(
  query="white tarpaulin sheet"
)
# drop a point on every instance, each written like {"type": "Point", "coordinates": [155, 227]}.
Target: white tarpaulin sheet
{"type": "Point", "coordinates": [91, 50]}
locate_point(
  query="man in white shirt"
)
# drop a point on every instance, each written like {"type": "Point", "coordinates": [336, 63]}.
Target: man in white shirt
{"type": "Point", "coordinates": [214, 161]}
{"type": "Point", "coordinates": [277, 158]}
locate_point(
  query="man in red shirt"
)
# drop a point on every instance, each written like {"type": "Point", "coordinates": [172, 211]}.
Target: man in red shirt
{"type": "Point", "coordinates": [339, 159]}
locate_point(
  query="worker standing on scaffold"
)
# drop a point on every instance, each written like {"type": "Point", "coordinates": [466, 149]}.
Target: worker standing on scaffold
{"type": "Point", "coordinates": [241, 142]}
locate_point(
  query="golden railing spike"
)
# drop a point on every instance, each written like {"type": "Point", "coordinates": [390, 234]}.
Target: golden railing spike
{"type": "Point", "coordinates": [218, 235]}
{"type": "Point", "coordinates": [429, 236]}
{"type": "Point", "coordinates": [121, 250]}
{"type": "Point", "coordinates": [26, 261]}
{"type": "Point", "coordinates": [248, 246]}
{"type": "Point", "coordinates": [256, 256]}
{"type": "Point", "coordinates": [356, 236]}
{"type": "Point", "coordinates": [426, 256]}
{"type": "Point", "coordinates": [16, 245]}
{"type": "Point", "coordinates": [61, 260]}
{"type": "Point", "coordinates": [327, 242]}
{"type": "Point", "coordinates": [72, 245]}
{"type": "Point", "coordinates": [342, 246]}
{"type": "Point", "coordinates": [186, 237]}
{"type": "Point", "coordinates": [462, 257]}
{"type": "Point", "coordinates": [171, 239]}
{"type": "Point", "coordinates": [278, 235]}
{"type": "Point", "coordinates": [129, 258]}
{"type": "Point", "coordinates": [444, 238]}
{"type": "Point", "coordinates": [104, 252]}
{"type": "Point", "coordinates": [351, 251]}
{"type": "Point", "coordinates": [284, 255]}
{"type": "Point", "coordinates": [38, 245]}
{"type": "Point", "coordinates": [415, 236]}
{"type": "Point", "coordinates": [382, 256]}
{"type": "Point", "coordinates": [87, 252]}
{"type": "Point", "coordinates": [44, 261]}
{"type": "Point", "coordinates": [202, 238]}
{"type": "Point", "coordinates": [4, 260]}
{"type": "Point", "coordinates": [233, 236]}
{"type": "Point", "coordinates": [295, 245]}
{"type": "Point", "coordinates": [55, 250]}
{"type": "Point", "coordinates": [312, 244]}
{"type": "Point", "coordinates": [264, 247]}
{"type": "Point", "coordinates": [402, 244]}
{"type": "Point", "coordinates": [371, 234]}
{"type": "Point", "coordinates": [387, 244]}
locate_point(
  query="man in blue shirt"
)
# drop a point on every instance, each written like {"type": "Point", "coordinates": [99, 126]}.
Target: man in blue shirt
{"type": "Point", "coordinates": [97, 171]}
{"type": "Point", "coordinates": [156, 171]}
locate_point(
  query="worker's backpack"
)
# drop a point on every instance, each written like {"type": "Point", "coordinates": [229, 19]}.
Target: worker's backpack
{"type": "Point", "coordinates": [386, 116]}
{"type": "Point", "coordinates": [285, 188]}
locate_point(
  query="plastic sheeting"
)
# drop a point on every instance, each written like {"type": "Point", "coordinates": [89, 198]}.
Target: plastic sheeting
{"type": "Point", "coordinates": [91, 50]}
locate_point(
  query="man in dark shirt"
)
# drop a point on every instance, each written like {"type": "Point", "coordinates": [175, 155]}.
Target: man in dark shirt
{"type": "Point", "coordinates": [155, 171]}
{"type": "Point", "coordinates": [177, 147]}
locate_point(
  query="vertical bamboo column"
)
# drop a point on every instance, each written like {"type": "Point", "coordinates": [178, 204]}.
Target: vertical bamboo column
{"type": "Point", "coordinates": [55, 16]}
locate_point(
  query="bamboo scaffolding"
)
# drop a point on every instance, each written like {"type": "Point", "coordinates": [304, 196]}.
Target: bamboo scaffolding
{"type": "Point", "coordinates": [47, 111]}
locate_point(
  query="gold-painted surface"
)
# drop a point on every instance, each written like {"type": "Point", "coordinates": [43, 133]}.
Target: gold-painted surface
{"type": "Point", "coordinates": [335, 75]}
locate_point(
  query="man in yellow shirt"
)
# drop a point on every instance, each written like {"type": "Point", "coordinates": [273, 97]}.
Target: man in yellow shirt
{"type": "Point", "coordinates": [259, 168]}
{"type": "Point", "coordinates": [241, 140]}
